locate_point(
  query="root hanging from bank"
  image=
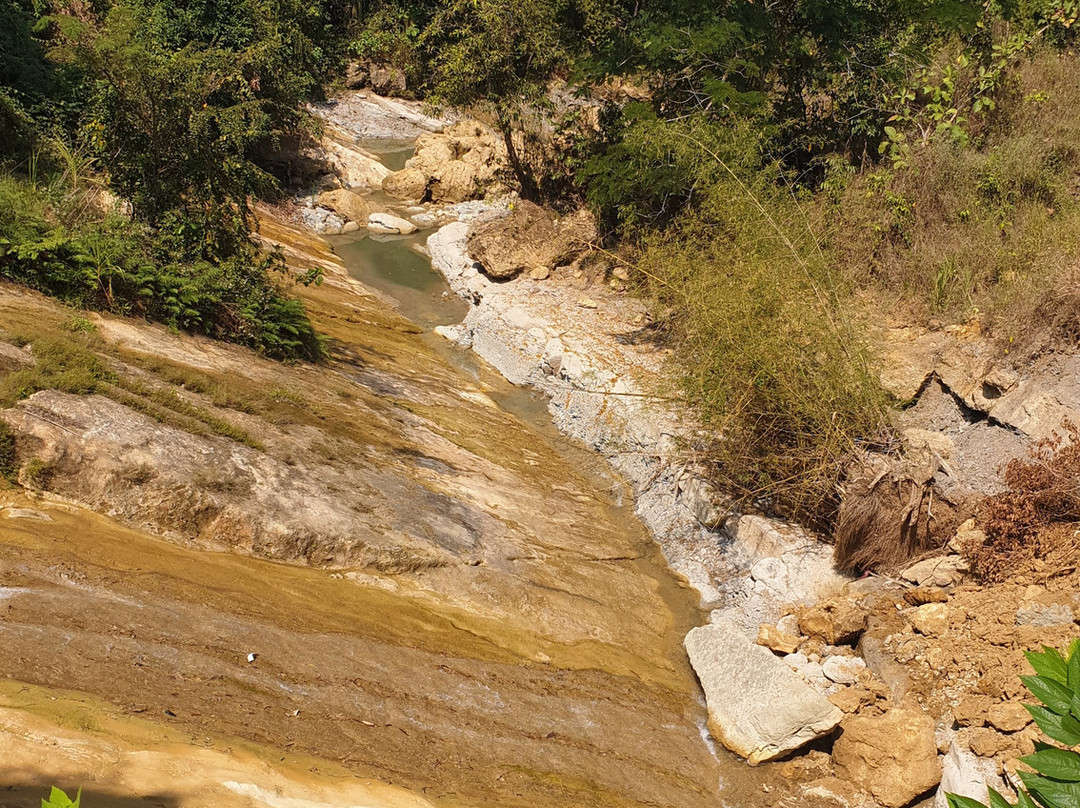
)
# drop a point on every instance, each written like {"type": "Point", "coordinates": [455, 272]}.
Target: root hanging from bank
{"type": "Point", "coordinates": [891, 512]}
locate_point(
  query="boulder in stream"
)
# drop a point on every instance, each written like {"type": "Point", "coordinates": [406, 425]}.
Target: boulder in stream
{"type": "Point", "coordinates": [386, 224]}
{"type": "Point", "coordinates": [346, 204]}
{"type": "Point", "coordinates": [758, 707]}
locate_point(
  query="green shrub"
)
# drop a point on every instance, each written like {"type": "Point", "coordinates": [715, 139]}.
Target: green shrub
{"type": "Point", "coordinates": [60, 363]}
{"type": "Point", "coordinates": [37, 473]}
{"type": "Point", "coordinates": [1056, 781]}
{"type": "Point", "coordinates": [765, 354]}
{"type": "Point", "coordinates": [8, 463]}
{"type": "Point", "coordinates": [49, 242]}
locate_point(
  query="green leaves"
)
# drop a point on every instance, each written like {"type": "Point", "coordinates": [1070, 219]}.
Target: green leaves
{"type": "Point", "coordinates": [1056, 763]}
{"type": "Point", "coordinates": [58, 799]}
{"type": "Point", "coordinates": [1053, 694]}
{"type": "Point", "coordinates": [1048, 664]}
{"type": "Point", "coordinates": [1056, 781]}
{"type": "Point", "coordinates": [1063, 728]}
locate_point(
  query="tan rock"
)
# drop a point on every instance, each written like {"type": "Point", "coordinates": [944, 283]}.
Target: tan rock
{"type": "Point", "coordinates": [527, 238]}
{"type": "Point", "coordinates": [356, 167]}
{"type": "Point", "coordinates": [986, 742]}
{"type": "Point", "coordinates": [931, 619]}
{"type": "Point", "coordinates": [346, 204]}
{"type": "Point", "coordinates": [852, 699]}
{"type": "Point", "coordinates": [588, 303]}
{"type": "Point", "coordinates": [926, 594]}
{"type": "Point", "coordinates": [776, 640]}
{"type": "Point", "coordinates": [389, 224]}
{"type": "Point", "coordinates": [409, 183]}
{"type": "Point", "coordinates": [454, 181]}
{"type": "Point", "coordinates": [972, 709]}
{"type": "Point", "coordinates": [834, 791]}
{"type": "Point", "coordinates": [432, 152]}
{"type": "Point", "coordinates": [1008, 716]}
{"type": "Point", "coordinates": [838, 622]}
{"type": "Point", "coordinates": [893, 756]}
{"type": "Point", "coordinates": [811, 766]}
{"type": "Point", "coordinates": [539, 273]}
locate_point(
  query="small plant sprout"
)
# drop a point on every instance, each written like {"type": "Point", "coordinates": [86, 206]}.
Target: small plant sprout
{"type": "Point", "coordinates": [59, 799]}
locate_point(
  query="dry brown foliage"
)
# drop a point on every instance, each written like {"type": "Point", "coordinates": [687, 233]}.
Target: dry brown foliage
{"type": "Point", "coordinates": [1024, 523]}
{"type": "Point", "coordinates": [890, 513]}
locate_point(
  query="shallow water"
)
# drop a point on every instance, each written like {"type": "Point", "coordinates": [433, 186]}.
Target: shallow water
{"type": "Point", "coordinates": [391, 265]}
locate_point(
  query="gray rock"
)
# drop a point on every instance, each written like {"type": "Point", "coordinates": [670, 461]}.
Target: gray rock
{"type": "Point", "coordinates": [941, 571]}
{"type": "Point", "coordinates": [1040, 616]}
{"type": "Point", "coordinates": [703, 500]}
{"type": "Point", "coordinates": [843, 670]}
{"type": "Point", "coordinates": [758, 707]}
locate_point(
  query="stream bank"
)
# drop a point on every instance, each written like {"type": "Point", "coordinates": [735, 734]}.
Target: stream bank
{"type": "Point", "coordinates": [587, 348]}
{"type": "Point", "coordinates": [368, 564]}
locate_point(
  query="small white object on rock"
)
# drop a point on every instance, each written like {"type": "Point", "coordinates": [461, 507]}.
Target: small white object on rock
{"type": "Point", "coordinates": [252, 657]}
{"type": "Point", "coordinates": [758, 707]}
{"type": "Point", "coordinates": [843, 670]}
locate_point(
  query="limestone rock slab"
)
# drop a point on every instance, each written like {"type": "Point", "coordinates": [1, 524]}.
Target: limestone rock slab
{"type": "Point", "coordinates": [758, 707]}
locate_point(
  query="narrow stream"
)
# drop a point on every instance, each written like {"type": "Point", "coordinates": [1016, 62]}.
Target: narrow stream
{"type": "Point", "coordinates": [395, 267]}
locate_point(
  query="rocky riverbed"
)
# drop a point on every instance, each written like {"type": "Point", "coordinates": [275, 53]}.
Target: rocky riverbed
{"type": "Point", "coordinates": [836, 654]}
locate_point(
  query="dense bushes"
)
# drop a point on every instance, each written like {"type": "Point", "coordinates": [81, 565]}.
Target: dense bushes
{"type": "Point", "coordinates": [169, 106]}
{"type": "Point", "coordinates": [56, 240]}
{"type": "Point", "coordinates": [782, 173]}
{"type": "Point", "coordinates": [769, 361]}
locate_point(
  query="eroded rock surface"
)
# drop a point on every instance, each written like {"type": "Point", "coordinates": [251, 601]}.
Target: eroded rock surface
{"type": "Point", "coordinates": [893, 757]}
{"type": "Point", "coordinates": [529, 237]}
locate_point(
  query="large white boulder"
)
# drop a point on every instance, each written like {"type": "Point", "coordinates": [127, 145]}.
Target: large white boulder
{"type": "Point", "coordinates": [758, 706]}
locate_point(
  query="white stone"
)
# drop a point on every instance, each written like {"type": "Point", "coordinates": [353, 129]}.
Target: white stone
{"type": "Point", "coordinates": [967, 775]}
{"type": "Point", "coordinates": [843, 670]}
{"type": "Point", "coordinates": [758, 707]}
{"type": "Point", "coordinates": [386, 224]}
